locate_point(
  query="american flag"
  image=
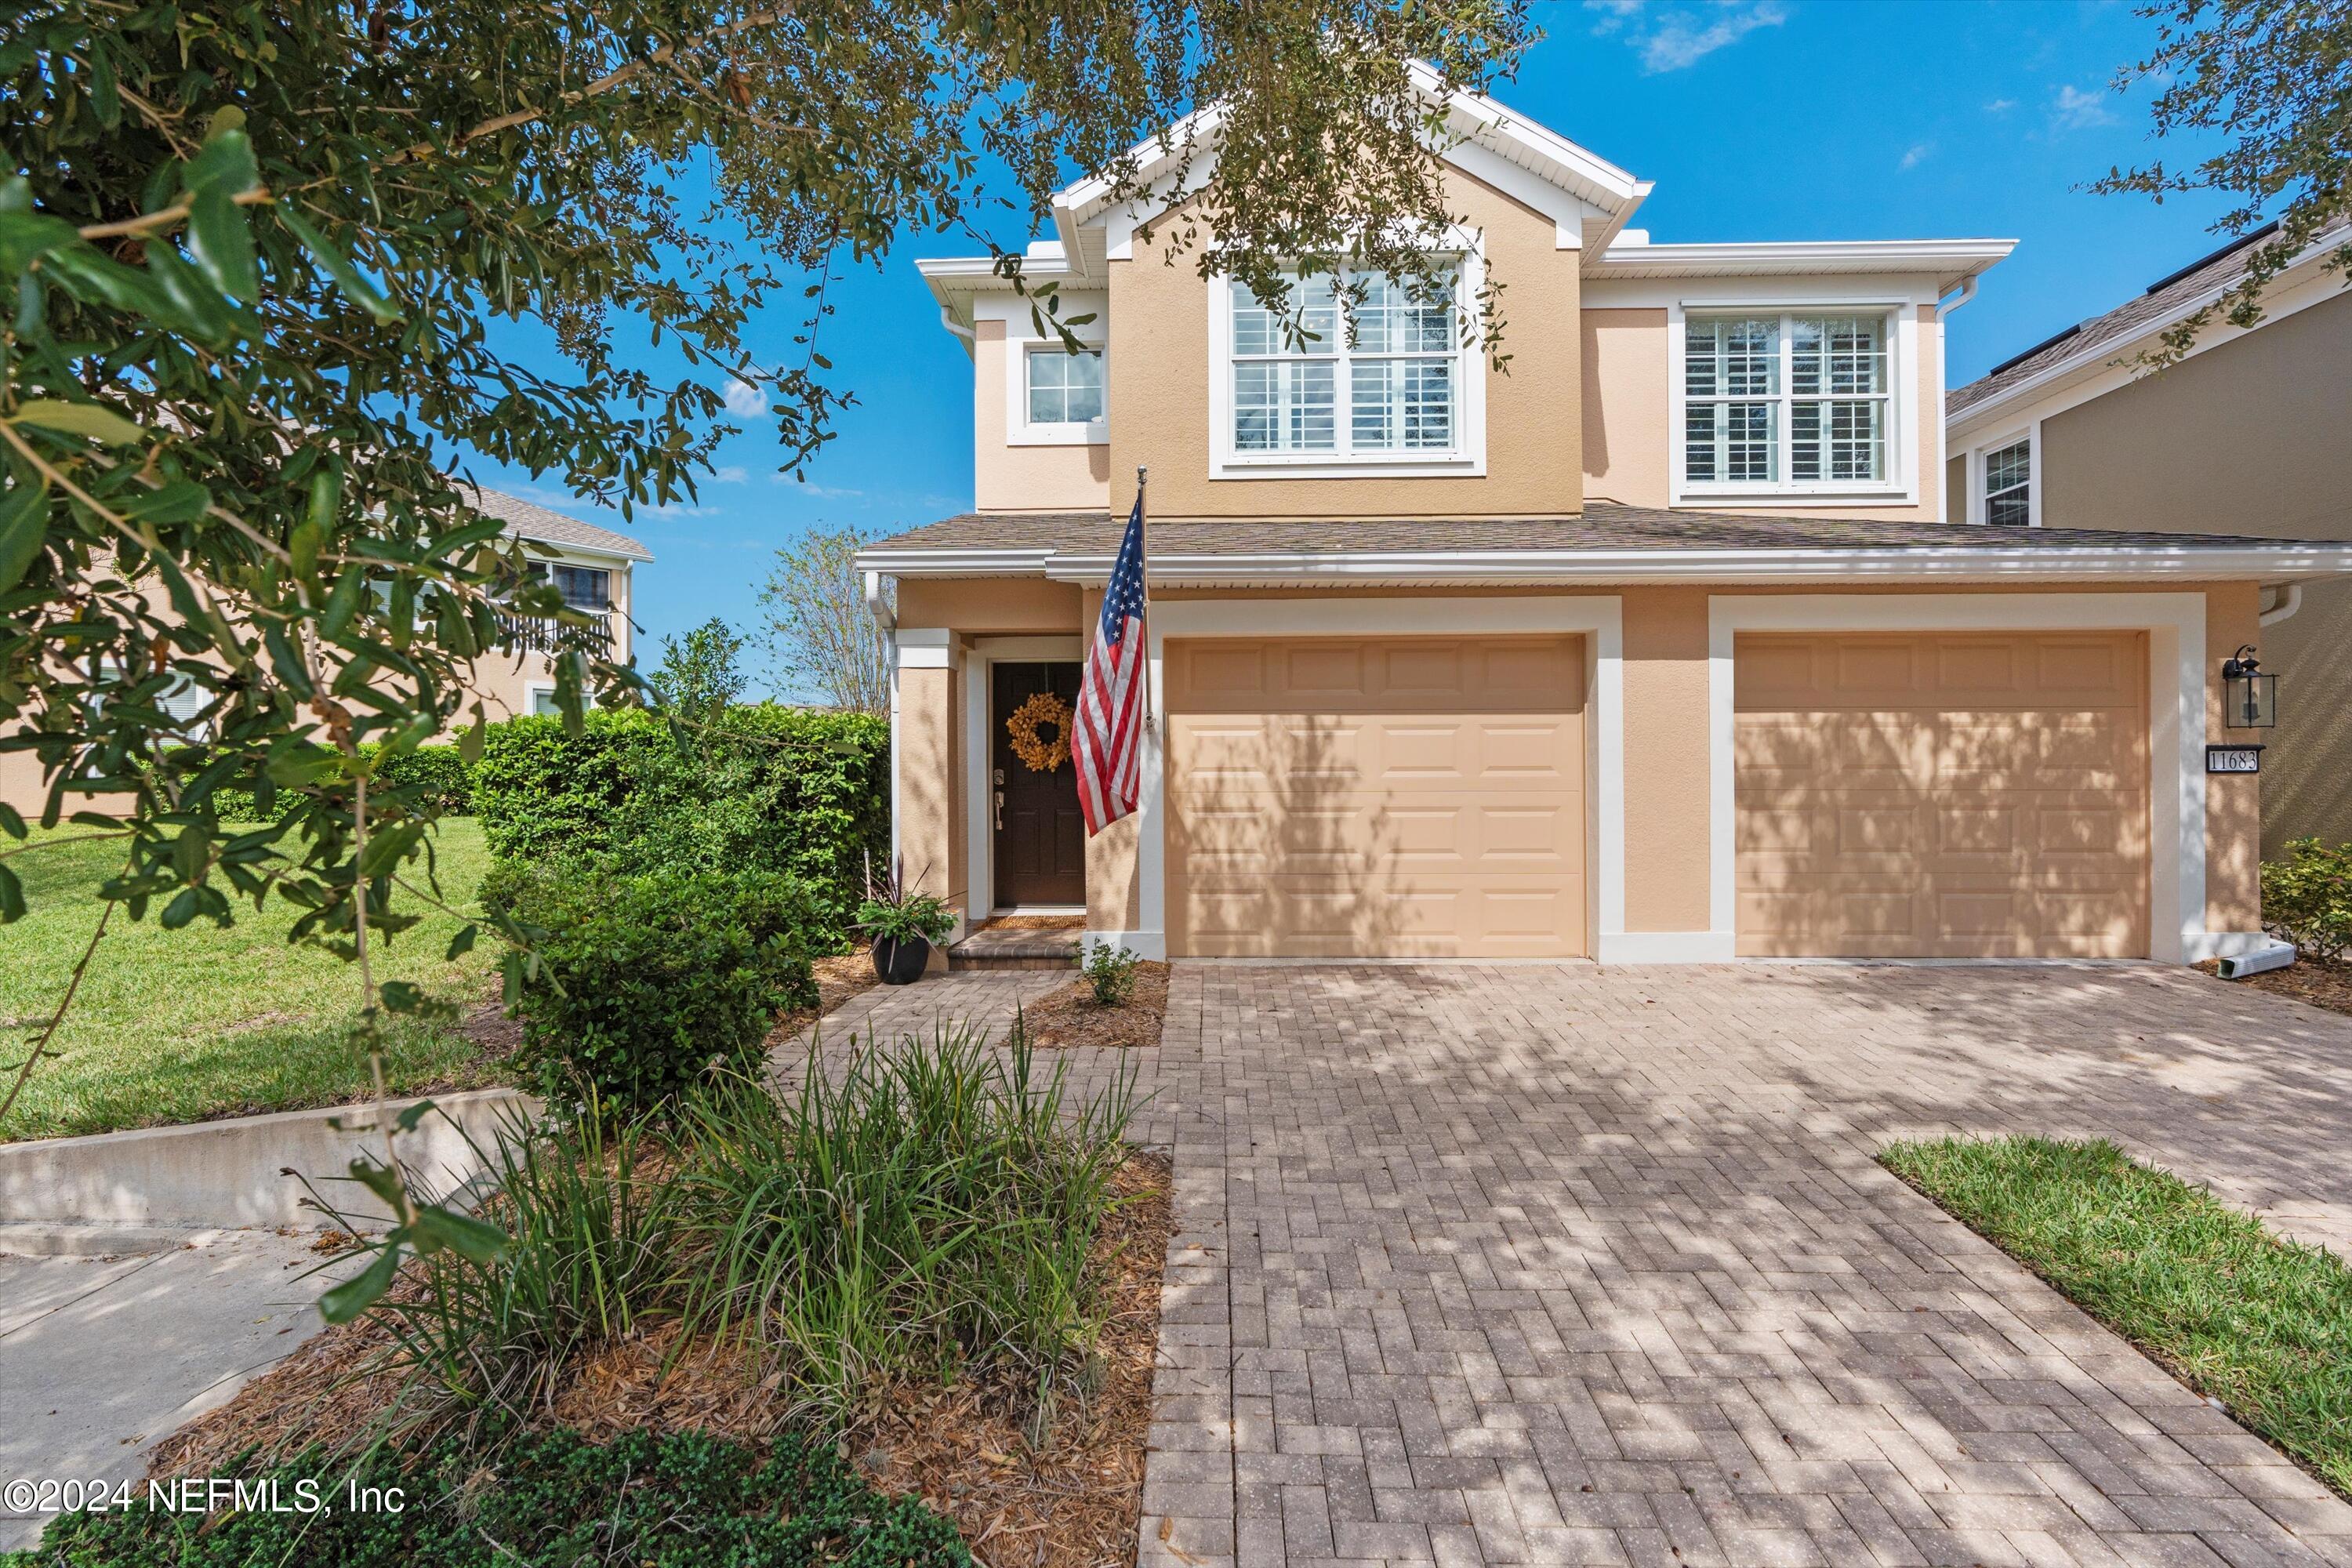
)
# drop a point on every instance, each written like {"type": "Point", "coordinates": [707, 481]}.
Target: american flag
{"type": "Point", "coordinates": [1107, 742]}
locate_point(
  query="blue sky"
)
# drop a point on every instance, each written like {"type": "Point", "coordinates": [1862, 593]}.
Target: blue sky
{"type": "Point", "coordinates": [1756, 118]}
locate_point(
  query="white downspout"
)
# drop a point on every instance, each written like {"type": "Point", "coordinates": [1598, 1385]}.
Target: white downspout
{"type": "Point", "coordinates": [1943, 390]}
{"type": "Point", "coordinates": [2290, 600]}
{"type": "Point", "coordinates": [947, 319]}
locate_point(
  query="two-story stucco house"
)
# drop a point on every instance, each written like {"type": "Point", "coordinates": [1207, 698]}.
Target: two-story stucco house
{"type": "Point", "coordinates": [2247, 434]}
{"type": "Point", "coordinates": [594, 567]}
{"type": "Point", "coordinates": [1659, 648]}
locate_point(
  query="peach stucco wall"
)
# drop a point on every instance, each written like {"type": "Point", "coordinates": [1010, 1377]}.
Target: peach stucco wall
{"type": "Point", "coordinates": [1159, 391]}
{"type": "Point", "coordinates": [1665, 672]}
{"type": "Point", "coordinates": [1665, 758]}
{"type": "Point", "coordinates": [1006, 478]}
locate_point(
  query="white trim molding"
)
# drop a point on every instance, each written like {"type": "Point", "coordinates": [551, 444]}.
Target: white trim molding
{"type": "Point", "coordinates": [1598, 618]}
{"type": "Point", "coordinates": [2175, 625]}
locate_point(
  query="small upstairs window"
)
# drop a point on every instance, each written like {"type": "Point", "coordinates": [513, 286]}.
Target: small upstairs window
{"type": "Point", "coordinates": [1064, 388]}
{"type": "Point", "coordinates": [2008, 485]}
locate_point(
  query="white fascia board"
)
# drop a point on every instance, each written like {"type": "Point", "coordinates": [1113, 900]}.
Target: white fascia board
{"type": "Point", "coordinates": [2077, 378]}
{"type": "Point", "coordinates": [1481, 121]}
{"type": "Point", "coordinates": [1948, 260]}
{"type": "Point", "coordinates": [1498, 567]}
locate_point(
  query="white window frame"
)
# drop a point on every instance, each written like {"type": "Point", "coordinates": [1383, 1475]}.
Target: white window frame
{"type": "Point", "coordinates": [1018, 430]}
{"type": "Point", "coordinates": [1980, 455]}
{"type": "Point", "coordinates": [1901, 485]}
{"type": "Point", "coordinates": [1467, 456]}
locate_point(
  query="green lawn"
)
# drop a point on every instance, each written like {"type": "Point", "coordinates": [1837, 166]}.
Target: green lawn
{"type": "Point", "coordinates": [2262, 1324]}
{"type": "Point", "coordinates": [180, 1026]}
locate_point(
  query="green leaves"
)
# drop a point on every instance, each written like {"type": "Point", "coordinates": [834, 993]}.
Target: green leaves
{"type": "Point", "coordinates": [89, 419]}
{"type": "Point", "coordinates": [348, 279]}
{"type": "Point", "coordinates": [23, 521]}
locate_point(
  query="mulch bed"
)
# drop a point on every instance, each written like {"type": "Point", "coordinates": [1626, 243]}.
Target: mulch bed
{"type": "Point", "coordinates": [1032, 922]}
{"type": "Point", "coordinates": [2327, 986]}
{"type": "Point", "coordinates": [1063, 1493]}
{"type": "Point", "coordinates": [1071, 1016]}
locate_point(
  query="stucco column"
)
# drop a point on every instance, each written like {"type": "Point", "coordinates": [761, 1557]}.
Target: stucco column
{"type": "Point", "coordinates": [2233, 802]}
{"type": "Point", "coordinates": [924, 760]}
{"type": "Point", "coordinates": [1666, 774]}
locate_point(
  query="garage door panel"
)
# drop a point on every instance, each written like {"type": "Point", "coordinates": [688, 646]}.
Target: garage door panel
{"type": "Point", "coordinates": [1993, 804]}
{"type": "Point", "coordinates": [1405, 796]}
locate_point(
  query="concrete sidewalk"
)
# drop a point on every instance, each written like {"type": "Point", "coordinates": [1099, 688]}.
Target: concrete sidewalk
{"type": "Point", "coordinates": [102, 1358]}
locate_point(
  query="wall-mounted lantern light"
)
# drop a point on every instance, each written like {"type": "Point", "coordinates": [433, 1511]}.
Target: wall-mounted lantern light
{"type": "Point", "coordinates": [2249, 698]}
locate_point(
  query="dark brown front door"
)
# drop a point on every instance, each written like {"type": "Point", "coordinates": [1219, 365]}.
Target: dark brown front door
{"type": "Point", "coordinates": [1041, 839]}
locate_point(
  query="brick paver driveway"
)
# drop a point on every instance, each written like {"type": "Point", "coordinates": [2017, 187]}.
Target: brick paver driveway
{"type": "Point", "coordinates": [1557, 1265]}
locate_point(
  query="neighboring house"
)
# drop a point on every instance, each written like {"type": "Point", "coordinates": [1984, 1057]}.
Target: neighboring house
{"type": "Point", "coordinates": [1656, 649]}
{"type": "Point", "coordinates": [2248, 435]}
{"type": "Point", "coordinates": [593, 566]}
{"type": "Point", "coordinates": [596, 569]}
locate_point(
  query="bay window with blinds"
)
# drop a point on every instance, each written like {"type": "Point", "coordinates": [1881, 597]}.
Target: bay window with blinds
{"type": "Point", "coordinates": [1796, 401]}
{"type": "Point", "coordinates": [1375, 373]}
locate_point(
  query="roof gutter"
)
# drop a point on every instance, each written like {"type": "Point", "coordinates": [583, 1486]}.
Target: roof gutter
{"type": "Point", "coordinates": [1538, 567]}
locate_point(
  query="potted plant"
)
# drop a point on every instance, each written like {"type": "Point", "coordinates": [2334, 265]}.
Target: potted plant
{"type": "Point", "coordinates": [903, 925]}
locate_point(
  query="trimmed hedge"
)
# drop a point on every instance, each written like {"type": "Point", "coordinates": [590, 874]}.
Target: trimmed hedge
{"type": "Point", "coordinates": [762, 787]}
{"type": "Point", "coordinates": [2308, 899]}
{"type": "Point", "coordinates": [684, 1501]}
{"type": "Point", "coordinates": [439, 771]}
{"type": "Point", "coordinates": [666, 976]}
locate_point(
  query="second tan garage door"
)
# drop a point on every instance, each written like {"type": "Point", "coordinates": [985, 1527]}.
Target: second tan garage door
{"type": "Point", "coordinates": [1405, 797]}
{"type": "Point", "coordinates": [1942, 796]}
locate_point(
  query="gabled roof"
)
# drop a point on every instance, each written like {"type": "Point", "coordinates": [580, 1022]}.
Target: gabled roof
{"type": "Point", "coordinates": [2101, 338]}
{"type": "Point", "coordinates": [1608, 543]}
{"type": "Point", "coordinates": [528, 520]}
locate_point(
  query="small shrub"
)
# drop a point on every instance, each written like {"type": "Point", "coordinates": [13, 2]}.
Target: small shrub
{"type": "Point", "coordinates": [890, 914]}
{"type": "Point", "coordinates": [653, 982]}
{"type": "Point", "coordinates": [676, 1499]}
{"type": "Point", "coordinates": [2308, 899]}
{"type": "Point", "coordinates": [1110, 972]}
{"type": "Point", "coordinates": [932, 1207]}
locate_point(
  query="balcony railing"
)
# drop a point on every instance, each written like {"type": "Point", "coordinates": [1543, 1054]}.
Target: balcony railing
{"type": "Point", "coordinates": [530, 634]}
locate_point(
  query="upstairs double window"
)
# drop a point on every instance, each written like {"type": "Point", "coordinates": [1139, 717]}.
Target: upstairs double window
{"type": "Point", "coordinates": [1781, 400]}
{"type": "Point", "coordinates": [1375, 376]}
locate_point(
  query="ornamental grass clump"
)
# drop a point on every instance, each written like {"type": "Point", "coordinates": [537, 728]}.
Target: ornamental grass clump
{"type": "Point", "coordinates": [923, 1209]}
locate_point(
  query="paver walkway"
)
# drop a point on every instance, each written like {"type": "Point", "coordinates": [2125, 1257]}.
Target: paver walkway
{"type": "Point", "coordinates": [1558, 1265]}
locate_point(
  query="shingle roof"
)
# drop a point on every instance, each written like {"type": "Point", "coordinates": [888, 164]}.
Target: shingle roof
{"type": "Point", "coordinates": [2165, 301]}
{"type": "Point", "coordinates": [1603, 526]}
{"type": "Point", "coordinates": [528, 520]}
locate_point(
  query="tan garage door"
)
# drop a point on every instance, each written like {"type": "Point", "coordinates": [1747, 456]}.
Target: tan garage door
{"type": "Point", "coordinates": [1945, 796]}
{"type": "Point", "coordinates": [1408, 797]}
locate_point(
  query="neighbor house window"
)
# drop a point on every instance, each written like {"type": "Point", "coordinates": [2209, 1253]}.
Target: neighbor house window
{"type": "Point", "coordinates": [582, 588]}
{"type": "Point", "coordinates": [1064, 388]}
{"type": "Point", "coordinates": [1395, 388]}
{"type": "Point", "coordinates": [1778, 400]}
{"type": "Point", "coordinates": [2008, 485]}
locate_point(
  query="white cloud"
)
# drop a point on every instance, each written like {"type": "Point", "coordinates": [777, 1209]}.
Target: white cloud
{"type": "Point", "coordinates": [1917, 154]}
{"type": "Point", "coordinates": [2074, 110]}
{"type": "Point", "coordinates": [745, 401]}
{"type": "Point", "coordinates": [732, 474]}
{"type": "Point", "coordinates": [2001, 105]}
{"type": "Point", "coordinates": [823, 492]}
{"type": "Point", "coordinates": [1669, 41]}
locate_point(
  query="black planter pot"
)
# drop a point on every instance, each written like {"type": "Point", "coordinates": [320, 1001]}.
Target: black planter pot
{"type": "Point", "coordinates": [901, 962]}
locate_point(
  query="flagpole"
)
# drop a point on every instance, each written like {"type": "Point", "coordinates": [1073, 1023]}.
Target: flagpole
{"type": "Point", "coordinates": [1143, 567]}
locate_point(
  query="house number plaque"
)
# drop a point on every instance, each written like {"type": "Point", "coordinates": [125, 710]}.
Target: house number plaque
{"type": "Point", "coordinates": [2234, 758]}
